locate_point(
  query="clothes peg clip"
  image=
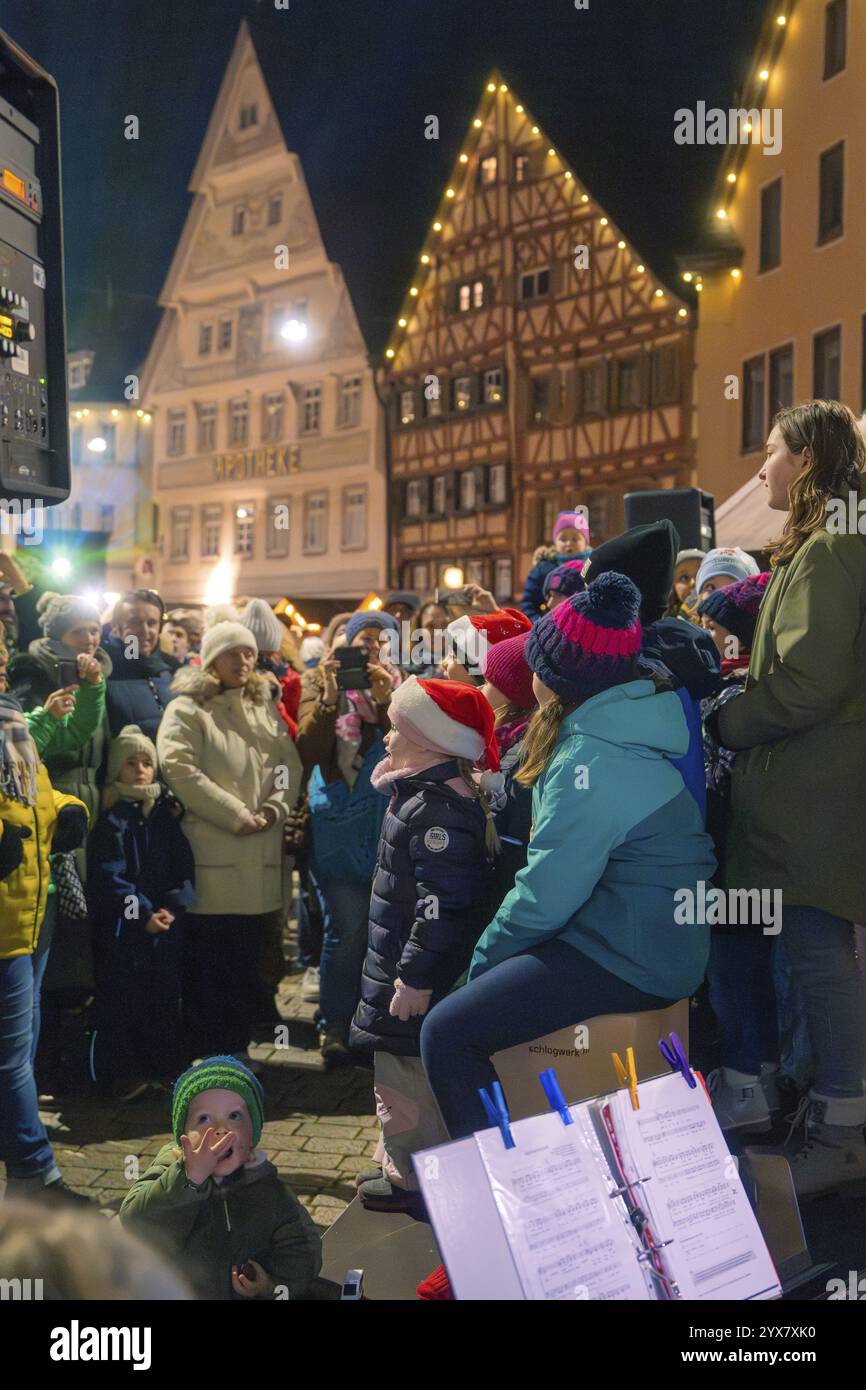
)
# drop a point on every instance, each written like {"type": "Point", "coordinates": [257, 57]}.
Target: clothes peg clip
{"type": "Point", "coordinates": [675, 1055]}
{"type": "Point", "coordinates": [556, 1100]}
{"type": "Point", "coordinates": [497, 1112]}
{"type": "Point", "coordinates": [627, 1075]}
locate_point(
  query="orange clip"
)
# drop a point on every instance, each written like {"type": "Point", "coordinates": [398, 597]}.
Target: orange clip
{"type": "Point", "coordinates": [627, 1075]}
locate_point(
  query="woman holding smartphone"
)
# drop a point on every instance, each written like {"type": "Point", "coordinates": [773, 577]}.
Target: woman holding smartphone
{"type": "Point", "coordinates": [342, 720]}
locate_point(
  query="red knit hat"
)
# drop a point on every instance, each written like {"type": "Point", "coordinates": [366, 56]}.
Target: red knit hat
{"type": "Point", "coordinates": [446, 717]}
{"type": "Point", "coordinates": [506, 667]}
{"type": "Point", "coordinates": [472, 634]}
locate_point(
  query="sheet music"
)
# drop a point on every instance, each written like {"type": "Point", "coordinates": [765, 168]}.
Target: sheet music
{"type": "Point", "coordinates": [568, 1238]}
{"type": "Point", "coordinates": [694, 1197]}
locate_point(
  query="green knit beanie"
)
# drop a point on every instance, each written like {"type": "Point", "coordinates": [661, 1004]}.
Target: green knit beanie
{"type": "Point", "coordinates": [217, 1073]}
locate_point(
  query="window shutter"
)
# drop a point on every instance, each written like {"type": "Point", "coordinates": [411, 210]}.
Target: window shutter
{"type": "Point", "coordinates": [645, 378]}
{"type": "Point", "coordinates": [426, 498]}
{"type": "Point", "coordinates": [449, 296]}
{"type": "Point", "coordinates": [537, 160]}
{"type": "Point", "coordinates": [450, 493]}
{"type": "Point", "coordinates": [489, 293]}
{"type": "Point", "coordinates": [613, 386]}
{"type": "Point", "coordinates": [570, 395]}
{"type": "Point", "coordinates": [666, 375]}
{"type": "Point", "coordinates": [556, 407]}
{"type": "Point", "coordinates": [508, 288]}
{"type": "Point", "coordinates": [557, 276]}
{"type": "Point", "coordinates": [481, 492]}
{"type": "Point", "coordinates": [477, 390]}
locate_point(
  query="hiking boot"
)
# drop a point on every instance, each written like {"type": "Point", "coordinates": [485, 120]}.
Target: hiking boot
{"type": "Point", "coordinates": [373, 1174]}
{"type": "Point", "coordinates": [310, 985]}
{"type": "Point", "coordinates": [739, 1101]}
{"type": "Point", "coordinates": [830, 1155]}
{"type": "Point", "coordinates": [335, 1047]}
{"type": "Point", "coordinates": [380, 1195]}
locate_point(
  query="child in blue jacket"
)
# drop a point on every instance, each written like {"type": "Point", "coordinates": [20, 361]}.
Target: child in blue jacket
{"type": "Point", "coordinates": [426, 909]}
{"type": "Point", "coordinates": [589, 927]}
{"type": "Point", "coordinates": [140, 874]}
{"type": "Point", "coordinates": [570, 541]}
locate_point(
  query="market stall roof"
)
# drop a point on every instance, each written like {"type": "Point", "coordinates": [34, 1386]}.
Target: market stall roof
{"type": "Point", "coordinates": [745, 519]}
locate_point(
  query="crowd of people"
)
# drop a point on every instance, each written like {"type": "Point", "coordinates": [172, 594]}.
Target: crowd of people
{"type": "Point", "coordinates": [488, 814]}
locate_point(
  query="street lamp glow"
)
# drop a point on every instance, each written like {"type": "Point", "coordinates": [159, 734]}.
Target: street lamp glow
{"type": "Point", "coordinates": [97, 445]}
{"type": "Point", "coordinates": [294, 331]}
{"type": "Point", "coordinates": [61, 567]}
{"type": "Point", "coordinates": [452, 577]}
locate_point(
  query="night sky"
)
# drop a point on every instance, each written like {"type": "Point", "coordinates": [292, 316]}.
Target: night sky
{"type": "Point", "coordinates": [353, 81]}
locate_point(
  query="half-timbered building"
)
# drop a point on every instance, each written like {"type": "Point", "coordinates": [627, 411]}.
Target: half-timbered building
{"type": "Point", "coordinates": [537, 363]}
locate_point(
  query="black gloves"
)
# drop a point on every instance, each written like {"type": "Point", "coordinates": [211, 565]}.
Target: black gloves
{"type": "Point", "coordinates": [70, 830]}
{"type": "Point", "coordinates": [12, 847]}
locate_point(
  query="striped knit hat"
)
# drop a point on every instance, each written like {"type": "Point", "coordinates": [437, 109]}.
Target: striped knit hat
{"type": "Point", "coordinates": [735, 607]}
{"type": "Point", "coordinates": [591, 641]}
{"type": "Point", "coordinates": [217, 1074]}
{"type": "Point", "coordinates": [566, 579]}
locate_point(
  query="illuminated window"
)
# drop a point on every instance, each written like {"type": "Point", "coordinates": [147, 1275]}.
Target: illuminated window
{"type": "Point", "coordinates": [245, 527]}
{"type": "Point", "coordinates": [493, 392]}
{"type": "Point", "coordinates": [521, 168]}
{"type": "Point", "coordinates": [467, 490]}
{"type": "Point", "coordinates": [462, 392]}
{"type": "Point", "coordinates": [498, 484]}
{"type": "Point", "coordinates": [407, 407]}
{"type": "Point", "coordinates": [487, 170]}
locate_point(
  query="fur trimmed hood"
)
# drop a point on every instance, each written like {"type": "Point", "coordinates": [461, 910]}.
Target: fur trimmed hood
{"type": "Point", "coordinates": [202, 686]}
{"type": "Point", "coordinates": [547, 552]}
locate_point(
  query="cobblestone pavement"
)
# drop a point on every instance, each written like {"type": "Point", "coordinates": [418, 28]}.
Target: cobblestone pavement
{"type": "Point", "coordinates": [320, 1128]}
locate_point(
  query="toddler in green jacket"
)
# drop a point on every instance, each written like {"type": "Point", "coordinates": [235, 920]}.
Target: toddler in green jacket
{"type": "Point", "coordinates": [217, 1204]}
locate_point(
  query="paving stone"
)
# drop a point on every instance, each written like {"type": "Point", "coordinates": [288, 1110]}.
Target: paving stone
{"type": "Point", "coordinates": [326, 1131]}
{"type": "Point", "coordinates": [334, 1145]}
{"type": "Point", "coordinates": [324, 1216]}
{"type": "Point", "coordinates": [356, 1163]}
{"type": "Point", "coordinates": [288, 1149]}
{"type": "Point", "coordinates": [281, 1129]}
{"type": "Point", "coordinates": [77, 1175]}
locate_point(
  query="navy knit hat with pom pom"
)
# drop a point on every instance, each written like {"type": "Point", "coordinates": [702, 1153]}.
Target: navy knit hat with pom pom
{"type": "Point", "coordinates": [590, 642]}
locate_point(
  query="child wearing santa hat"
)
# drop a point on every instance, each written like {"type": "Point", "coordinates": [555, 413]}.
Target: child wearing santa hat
{"type": "Point", "coordinates": [470, 637]}
{"type": "Point", "coordinates": [427, 906]}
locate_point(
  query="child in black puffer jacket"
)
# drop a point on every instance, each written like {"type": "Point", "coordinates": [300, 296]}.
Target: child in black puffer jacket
{"type": "Point", "coordinates": [427, 909]}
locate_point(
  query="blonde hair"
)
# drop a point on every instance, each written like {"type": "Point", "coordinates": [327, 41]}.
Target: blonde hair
{"type": "Point", "coordinates": [539, 740]}
{"type": "Point", "coordinates": [830, 431]}
{"type": "Point", "coordinates": [491, 839]}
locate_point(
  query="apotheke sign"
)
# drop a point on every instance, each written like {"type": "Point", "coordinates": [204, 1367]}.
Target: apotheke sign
{"type": "Point", "coordinates": [257, 463]}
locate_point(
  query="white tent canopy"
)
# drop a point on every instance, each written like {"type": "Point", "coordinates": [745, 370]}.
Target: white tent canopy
{"type": "Point", "coordinates": [745, 519]}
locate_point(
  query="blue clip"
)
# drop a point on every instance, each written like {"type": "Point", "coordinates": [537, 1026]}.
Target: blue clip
{"type": "Point", "coordinates": [675, 1055]}
{"type": "Point", "coordinates": [497, 1113]}
{"type": "Point", "coordinates": [555, 1099]}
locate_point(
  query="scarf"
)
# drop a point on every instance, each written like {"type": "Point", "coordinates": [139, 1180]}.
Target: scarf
{"type": "Point", "coordinates": [509, 734]}
{"type": "Point", "coordinates": [148, 795]}
{"type": "Point", "coordinates": [19, 761]}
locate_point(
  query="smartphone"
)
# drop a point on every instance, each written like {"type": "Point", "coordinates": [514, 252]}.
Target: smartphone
{"type": "Point", "coordinates": [68, 673]}
{"type": "Point", "coordinates": [458, 596]}
{"type": "Point", "coordinates": [352, 673]}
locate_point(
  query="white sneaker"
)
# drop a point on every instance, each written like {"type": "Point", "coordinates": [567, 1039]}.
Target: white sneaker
{"type": "Point", "coordinates": [310, 985]}
{"type": "Point", "coordinates": [739, 1101]}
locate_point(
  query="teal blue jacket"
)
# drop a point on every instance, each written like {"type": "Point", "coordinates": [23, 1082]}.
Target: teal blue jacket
{"type": "Point", "coordinates": [615, 834]}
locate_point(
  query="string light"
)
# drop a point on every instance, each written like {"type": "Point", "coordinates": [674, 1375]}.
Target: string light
{"type": "Point", "coordinates": [722, 214]}
{"type": "Point", "coordinates": [764, 74]}
{"type": "Point", "coordinates": [464, 159]}
{"type": "Point", "coordinates": [437, 226]}
{"type": "Point", "coordinates": [584, 197]}
{"type": "Point", "coordinates": [535, 130]}
{"type": "Point", "coordinates": [477, 123]}
{"type": "Point", "coordinates": [491, 86]}
{"type": "Point", "coordinates": [114, 414]}
{"type": "Point", "coordinates": [688, 276]}
{"type": "Point", "coordinates": [736, 273]}
{"type": "Point", "coordinates": [449, 192]}
{"type": "Point", "coordinates": [699, 286]}
{"type": "Point", "coordinates": [519, 110]}
{"type": "Point", "coordinates": [641, 270]}
{"type": "Point", "coordinates": [682, 313]}
{"type": "Point", "coordinates": [414, 290]}
{"type": "Point", "coordinates": [552, 153]}
{"type": "Point", "coordinates": [732, 178]}
{"type": "Point", "coordinates": [390, 352]}
{"type": "Point", "coordinates": [425, 259]}
{"type": "Point", "coordinates": [659, 294]}
{"type": "Point", "coordinates": [781, 20]}
{"type": "Point", "coordinates": [603, 221]}
{"type": "Point", "coordinates": [503, 87]}
{"type": "Point", "coordinates": [402, 323]}
{"type": "Point", "coordinates": [621, 245]}
{"type": "Point", "coordinates": [569, 174]}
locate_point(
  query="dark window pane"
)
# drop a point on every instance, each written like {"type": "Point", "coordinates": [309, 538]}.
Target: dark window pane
{"type": "Point", "coordinates": [835, 37]}
{"type": "Point", "coordinates": [543, 282]}
{"type": "Point", "coordinates": [827, 365]}
{"type": "Point", "coordinates": [832, 179]}
{"type": "Point", "coordinates": [753, 404]}
{"type": "Point", "coordinates": [771, 226]}
{"type": "Point", "coordinates": [781, 379]}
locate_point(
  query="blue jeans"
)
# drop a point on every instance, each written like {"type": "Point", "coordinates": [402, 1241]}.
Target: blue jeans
{"type": "Point", "coordinates": [820, 950]}
{"type": "Point", "coordinates": [346, 912]}
{"type": "Point", "coordinates": [551, 986]}
{"type": "Point", "coordinates": [40, 961]}
{"type": "Point", "coordinates": [740, 977]}
{"type": "Point", "coordinates": [24, 1145]}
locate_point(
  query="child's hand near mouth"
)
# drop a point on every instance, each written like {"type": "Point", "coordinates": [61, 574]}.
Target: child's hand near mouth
{"type": "Point", "coordinates": [200, 1160]}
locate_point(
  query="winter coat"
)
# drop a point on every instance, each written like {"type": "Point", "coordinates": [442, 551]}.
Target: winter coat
{"type": "Point", "coordinates": [138, 689]}
{"type": "Point", "coordinates": [545, 559]}
{"type": "Point", "coordinates": [250, 1215]}
{"type": "Point", "coordinates": [73, 767]}
{"type": "Point", "coordinates": [130, 855]}
{"type": "Point", "coordinates": [220, 752]}
{"type": "Point", "coordinates": [316, 737]}
{"type": "Point", "coordinates": [426, 909]}
{"type": "Point", "coordinates": [798, 785]}
{"type": "Point", "coordinates": [687, 657]}
{"type": "Point", "coordinates": [24, 867]}
{"type": "Point", "coordinates": [615, 835]}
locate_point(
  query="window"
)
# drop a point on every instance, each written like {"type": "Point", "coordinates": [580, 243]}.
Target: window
{"type": "Point", "coordinates": [275, 209]}
{"type": "Point", "coordinates": [549, 512]}
{"type": "Point", "coordinates": [239, 221]}
{"type": "Point", "coordinates": [349, 401]}
{"type": "Point", "coordinates": [593, 389]}
{"type": "Point", "coordinates": [109, 434]}
{"type": "Point", "coordinates": [540, 389]}
{"type": "Point", "coordinates": [827, 365]}
{"type": "Point", "coordinates": [476, 572]}
{"type": "Point", "coordinates": [666, 374]}
{"type": "Point", "coordinates": [521, 168]}
{"type": "Point", "coordinates": [832, 196]}
{"type": "Point", "coordinates": [487, 170]}
{"type": "Point", "coordinates": [598, 515]}
{"type": "Point", "coordinates": [354, 518]}
{"type": "Point", "coordinates": [407, 407]}
{"type": "Point", "coordinates": [440, 490]}
{"type": "Point", "coordinates": [106, 518]}
{"type": "Point", "coordinates": [176, 432]}
{"type": "Point", "coordinates": [781, 379]}
{"type": "Point", "coordinates": [493, 392]}
{"type": "Point", "coordinates": [211, 531]}
{"type": "Point", "coordinates": [225, 338]}
{"type": "Point", "coordinates": [462, 397]}
{"type": "Point", "coordinates": [273, 412]}
{"type": "Point", "coordinates": [835, 37]}
{"type": "Point", "coordinates": [417, 577]}
{"type": "Point", "coordinates": [249, 116]}
{"type": "Point", "coordinates": [239, 419]}
{"type": "Point", "coordinates": [503, 582]}
{"type": "Point", "coordinates": [770, 254]}
{"type": "Point", "coordinates": [630, 394]}
{"type": "Point", "coordinates": [245, 525]}
{"type": "Point", "coordinates": [207, 416]}
{"type": "Point", "coordinates": [277, 533]}
{"type": "Point", "coordinates": [76, 376]}
{"type": "Point", "coordinates": [316, 523]}
{"type": "Point", "coordinates": [498, 484]}
{"type": "Point", "coordinates": [205, 339]}
{"type": "Point", "coordinates": [311, 410]}
{"type": "Point", "coordinates": [467, 490]}
{"type": "Point", "coordinates": [471, 295]}
{"type": "Point", "coordinates": [534, 284]}
{"type": "Point", "coordinates": [181, 524]}
{"type": "Point", "coordinates": [432, 397]}
{"type": "Point", "coordinates": [753, 433]}
{"type": "Point", "coordinates": [413, 499]}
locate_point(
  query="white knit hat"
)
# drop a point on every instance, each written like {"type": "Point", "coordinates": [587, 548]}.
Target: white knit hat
{"type": "Point", "coordinates": [131, 739]}
{"type": "Point", "coordinates": [221, 638]}
{"type": "Point", "coordinates": [264, 624]}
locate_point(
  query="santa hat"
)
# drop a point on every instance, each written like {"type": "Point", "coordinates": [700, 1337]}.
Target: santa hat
{"type": "Point", "coordinates": [447, 717]}
{"type": "Point", "coordinates": [471, 635]}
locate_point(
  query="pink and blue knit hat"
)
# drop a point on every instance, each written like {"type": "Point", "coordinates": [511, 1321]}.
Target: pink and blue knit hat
{"type": "Point", "coordinates": [591, 641]}
{"type": "Point", "coordinates": [566, 579]}
{"type": "Point", "coordinates": [735, 607]}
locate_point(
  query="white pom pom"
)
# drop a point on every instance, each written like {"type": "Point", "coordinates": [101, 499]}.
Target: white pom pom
{"type": "Point", "coordinates": [220, 613]}
{"type": "Point", "coordinates": [493, 786]}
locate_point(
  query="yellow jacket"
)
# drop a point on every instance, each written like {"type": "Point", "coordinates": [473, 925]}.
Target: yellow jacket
{"type": "Point", "coordinates": [23, 894]}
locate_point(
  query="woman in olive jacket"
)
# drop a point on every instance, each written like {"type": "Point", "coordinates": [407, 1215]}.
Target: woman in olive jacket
{"type": "Point", "coordinates": [798, 790]}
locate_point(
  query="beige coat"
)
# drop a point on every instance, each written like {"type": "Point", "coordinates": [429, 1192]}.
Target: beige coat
{"type": "Point", "coordinates": [222, 751]}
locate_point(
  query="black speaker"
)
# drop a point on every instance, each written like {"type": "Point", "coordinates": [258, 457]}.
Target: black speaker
{"type": "Point", "coordinates": [690, 509]}
{"type": "Point", "coordinates": [34, 420]}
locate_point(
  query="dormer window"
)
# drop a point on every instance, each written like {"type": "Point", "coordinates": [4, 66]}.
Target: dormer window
{"type": "Point", "coordinates": [487, 170]}
{"type": "Point", "coordinates": [471, 295]}
{"type": "Point", "coordinates": [249, 116]}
